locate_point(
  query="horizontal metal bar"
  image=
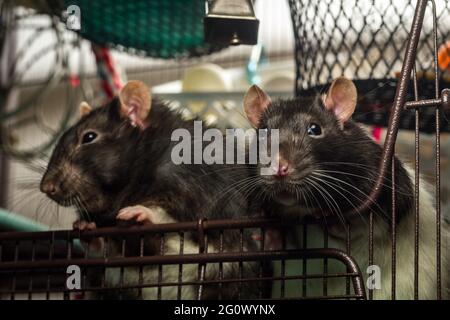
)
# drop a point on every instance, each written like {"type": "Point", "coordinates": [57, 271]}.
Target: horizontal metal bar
{"type": "Point", "coordinates": [183, 259]}
{"type": "Point", "coordinates": [444, 101]}
{"type": "Point", "coordinates": [422, 103]}
{"type": "Point", "coordinates": [187, 283]}
{"type": "Point", "coordinates": [145, 230]}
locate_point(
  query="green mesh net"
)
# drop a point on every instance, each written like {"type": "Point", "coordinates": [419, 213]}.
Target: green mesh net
{"type": "Point", "coordinates": [157, 28]}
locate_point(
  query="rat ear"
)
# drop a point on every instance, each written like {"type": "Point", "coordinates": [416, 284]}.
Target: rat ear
{"type": "Point", "coordinates": [256, 102]}
{"type": "Point", "coordinates": [135, 103]}
{"type": "Point", "coordinates": [84, 109]}
{"type": "Point", "coordinates": [341, 98]}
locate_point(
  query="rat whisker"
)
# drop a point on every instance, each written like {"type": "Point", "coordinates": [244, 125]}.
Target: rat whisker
{"type": "Point", "coordinates": [388, 186]}
{"type": "Point", "coordinates": [308, 192]}
{"type": "Point", "coordinates": [326, 195]}
{"type": "Point", "coordinates": [354, 188]}
{"type": "Point", "coordinates": [335, 186]}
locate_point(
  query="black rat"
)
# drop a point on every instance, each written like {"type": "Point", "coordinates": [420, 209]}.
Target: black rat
{"type": "Point", "coordinates": [326, 167]}
{"type": "Point", "coordinates": [115, 165]}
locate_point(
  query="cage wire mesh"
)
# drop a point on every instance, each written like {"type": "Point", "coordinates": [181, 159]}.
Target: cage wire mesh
{"type": "Point", "coordinates": [119, 264]}
{"type": "Point", "coordinates": [365, 41]}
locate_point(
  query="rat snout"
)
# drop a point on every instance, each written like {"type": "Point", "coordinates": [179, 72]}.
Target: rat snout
{"type": "Point", "coordinates": [48, 187]}
{"type": "Point", "coordinates": [281, 167]}
{"type": "Point", "coordinates": [51, 186]}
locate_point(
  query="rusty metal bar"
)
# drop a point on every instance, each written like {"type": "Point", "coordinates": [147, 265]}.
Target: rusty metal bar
{"type": "Point", "coordinates": [122, 270]}
{"type": "Point", "coordinates": [348, 251]}
{"type": "Point", "coordinates": [261, 266]}
{"type": "Point", "coordinates": [160, 280]}
{"type": "Point", "coordinates": [443, 101]}
{"type": "Point", "coordinates": [204, 258]}
{"type": "Point", "coordinates": [241, 270]}
{"type": "Point", "coordinates": [325, 263]}
{"type": "Point", "coordinates": [398, 105]}
{"type": "Point", "coordinates": [283, 267]}
{"type": "Point", "coordinates": [180, 267]}
{"type": "Point", "coordinates": [197, 282]}
{"type": "Point", "coordinates": [304, 261]}
{"type": "Point", "coordinates": [221, 265]}
{"type": "Point", "coordinates": [393, 233]}
{"type": "Point", "coordinates": [185, 259]}
{"type": "Point", "coordinates": [202, 250]}
{"type": "Point", "coordinates": [145, 230]}
{"type": "Point", "coordinates": [416, 190]}
{"type": "Point", "coordinates": [141, 270]}
{"type": "Point", "coordinates": [30, 283]}
{"type": "Point", "coordinates": [370, 247]}
{"type": "Point", "coordinates": [438, 155]}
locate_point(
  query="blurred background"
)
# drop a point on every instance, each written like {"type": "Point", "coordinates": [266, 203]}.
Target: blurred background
{"type": "Point", "coordinates": [55, 54]}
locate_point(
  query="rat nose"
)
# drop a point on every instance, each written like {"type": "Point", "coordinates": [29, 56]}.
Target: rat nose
{"type": "Point", "coordinates": [283, 167]}
{"type": "Point", "coordinates": [48, 187]}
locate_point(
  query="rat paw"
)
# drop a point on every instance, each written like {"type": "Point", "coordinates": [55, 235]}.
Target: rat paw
{"type": "Point", "coordinates": [145, 215]}
{"type": "Point", "coordinates": [273, 239]}
{"type": "Point", "coordinates": [94, 243]}
{"type": "Point", "coordinates": [137, 213]}
{"type": "Point", "coordinates": [84, 225]}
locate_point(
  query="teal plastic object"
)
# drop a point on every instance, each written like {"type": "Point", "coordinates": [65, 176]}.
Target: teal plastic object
{"type": "Point", "coordinates": [14, 222]}
{"type": "Point", "coordinates": [157, 28]}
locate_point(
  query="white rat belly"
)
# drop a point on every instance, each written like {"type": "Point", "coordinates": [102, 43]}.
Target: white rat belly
{"type": "Point", "coordinates": [382, 257]}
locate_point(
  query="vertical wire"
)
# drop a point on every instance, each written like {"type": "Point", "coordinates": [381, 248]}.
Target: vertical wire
{"type": "Point", "coordinates": [141, 268]}
{"type": "Point", "coordinates": [370, 247]}
{"type": "Point", "coordinates": [325, 264]}
{"type": "Point", "coordinates": [66, 293]}
{"type": "Point", "coordinates": [30, 283]}
{"type": "Point", "coordinates": [50, 257]}
{"type": "Point", "coordinates": [13, 283]}
{"type": "Point", "coordinates": [85, 270]}
{"type": "Point", "coordinates": [438, 159]}
{"type": "Point", "coordinates": [241, 248]}
{"type": "Point", "coordinates": [393, 230]}
{"type": "Point", "coordinates": [221, 266]}
{"type": "Point", "coordinates": [416, 188]}
{"type": "Point", "coordinates": [283, 267]}
{"type": "Point", "coordinates": [305, 264]}
{"type": "Point", "coordinates": [261, 264]}
{"type": "Point", "coordinates": [348, 250]}
{"type": "Point", "coordinates": [105, 256]}
{"type": "Point", "coordinates": [121, 276]}
{"type": "Point", "coordinates": [180, 267]}
{"type": "Point", "coordinates": [202, 266]}
{"type": "Point", "coordinates": [160, 270]}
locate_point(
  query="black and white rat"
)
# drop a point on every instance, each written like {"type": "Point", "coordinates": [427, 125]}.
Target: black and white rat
{"type": "Point", "coordinates": [326, 167]}
{"type": "Point", "coordinates": [115, 165]}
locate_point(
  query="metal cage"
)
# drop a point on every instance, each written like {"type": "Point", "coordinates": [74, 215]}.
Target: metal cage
{"type": "Point", "coordinates": [34, 265]}
{"type": "Point", "coordinates": [365, 41]}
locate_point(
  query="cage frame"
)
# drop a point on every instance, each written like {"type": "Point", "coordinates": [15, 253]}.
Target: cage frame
{"type": "Point", "coordinates": [441, 100]}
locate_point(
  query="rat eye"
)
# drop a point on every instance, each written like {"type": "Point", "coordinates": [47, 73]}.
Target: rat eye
{"type": "Point", "coordinates": [314, 130]}
{"type": "Point", "coordinates": [88, 137]}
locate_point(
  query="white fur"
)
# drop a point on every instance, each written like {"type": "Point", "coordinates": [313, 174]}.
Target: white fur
{"type": "Point", "coordinates": [170, 273]}
{"type": "Point", "coordinates": [382, 255]}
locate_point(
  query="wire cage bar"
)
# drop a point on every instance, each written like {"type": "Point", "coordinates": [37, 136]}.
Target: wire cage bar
{"type": "Point", "coordinates": [36, 263]}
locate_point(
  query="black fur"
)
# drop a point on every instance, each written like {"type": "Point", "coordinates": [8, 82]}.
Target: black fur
{"type": "Point", "coordinates": [126, 166]}
{"type": "Point", "coordinates": [349, 152]}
